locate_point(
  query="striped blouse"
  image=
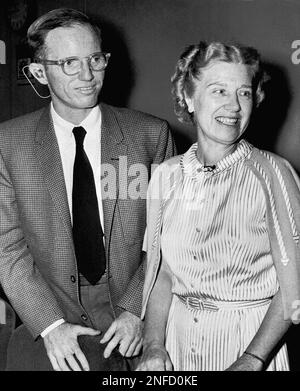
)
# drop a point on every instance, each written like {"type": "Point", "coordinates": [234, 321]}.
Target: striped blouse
{"type": "Point", "coordinates": [214, 236]}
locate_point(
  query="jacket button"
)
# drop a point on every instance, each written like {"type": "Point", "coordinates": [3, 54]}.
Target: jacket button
{"type": "Point", "coordinates": [84, 317]}
{"type": "Point", "coordinates": [73, 278]}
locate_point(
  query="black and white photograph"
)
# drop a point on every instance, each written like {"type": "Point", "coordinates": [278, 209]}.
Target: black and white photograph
{"type": "Point", "coordinates": [149, 189]}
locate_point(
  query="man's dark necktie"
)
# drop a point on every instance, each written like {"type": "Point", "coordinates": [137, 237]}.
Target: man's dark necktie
{"type": "Point", "coordinates": [87, 230]}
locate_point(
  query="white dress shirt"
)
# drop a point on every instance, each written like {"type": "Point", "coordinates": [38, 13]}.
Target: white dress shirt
{"type": "Point", "coordinates": [92, 146]}
{"type": "Point", "coordinates": [67, 148]}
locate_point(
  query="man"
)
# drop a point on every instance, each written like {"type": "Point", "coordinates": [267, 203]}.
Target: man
{"type": "Point", "coordinates": [70, 252]}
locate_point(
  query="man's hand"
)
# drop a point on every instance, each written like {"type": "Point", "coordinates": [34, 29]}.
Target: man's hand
{"type": "Point", "coordinates": [62, 347]}
{"type": "Point", "coordinates": [246, 363]}
{"type": "Point", "coordinates": [155, 358]}
{"type": "Point", "coordinates": [126, 331]}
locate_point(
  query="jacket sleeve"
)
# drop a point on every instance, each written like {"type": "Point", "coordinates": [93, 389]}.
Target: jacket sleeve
{"type": "Point", "coordinates": [152, 235]}
{"type": "Point", "coordinates": [22, 282]}
{"type": "Point", "coordinates": [132, 299]}
{"type": "Point", "coordinates": [165, 147]}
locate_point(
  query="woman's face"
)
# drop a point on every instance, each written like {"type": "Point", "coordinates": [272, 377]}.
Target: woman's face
{"type": "Point", "coordinates": [222, 102]}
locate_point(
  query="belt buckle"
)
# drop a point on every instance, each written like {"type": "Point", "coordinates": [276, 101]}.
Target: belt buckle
{"type": "Point", "coordinates": [194, 302]}
{"type": "Point", "coordinates": [200, 304]}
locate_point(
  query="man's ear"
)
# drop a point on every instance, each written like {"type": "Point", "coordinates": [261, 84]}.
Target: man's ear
{"type": "Point", "coordinates": [38, 71]}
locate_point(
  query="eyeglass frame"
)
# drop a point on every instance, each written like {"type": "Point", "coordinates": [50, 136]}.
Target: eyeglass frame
{"type": "Point", "coordinates": [61, 62]}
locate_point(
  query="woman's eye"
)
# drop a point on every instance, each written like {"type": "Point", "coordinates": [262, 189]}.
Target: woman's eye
{"type": "Point", "coordinates": [246, 93]}
{"type": "Point", "coordinates": [219, 91]}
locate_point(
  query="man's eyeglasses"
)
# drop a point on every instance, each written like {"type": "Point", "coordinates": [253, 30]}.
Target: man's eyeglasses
{"type": "Point", "coordinates": [72, 65]}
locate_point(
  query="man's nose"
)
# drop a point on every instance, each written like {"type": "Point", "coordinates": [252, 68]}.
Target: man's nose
{"type": "Point", "coordinates": [233, 102]}
{"type": "Point", "coordinates": [85, 70]}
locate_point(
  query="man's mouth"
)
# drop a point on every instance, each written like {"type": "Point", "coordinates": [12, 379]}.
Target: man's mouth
{"type": "Point", "coordinates": [86, 90]}
{"type": "Point", "coordinates": [228, 120]}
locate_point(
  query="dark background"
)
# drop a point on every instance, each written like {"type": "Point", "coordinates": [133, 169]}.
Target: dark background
{"type": "Point", "coordinates": [146, 38]}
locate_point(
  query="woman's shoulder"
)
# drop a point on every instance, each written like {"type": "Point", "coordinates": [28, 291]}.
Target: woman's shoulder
{"type": "Point", "coordinates": [274, 165]}
{"type": "Point", "coordinates": [264, 157]}
{"type": "Point", "coordinates": [168, 166]}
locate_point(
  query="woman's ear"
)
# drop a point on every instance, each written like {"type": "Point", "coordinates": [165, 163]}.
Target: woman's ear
{"type": "Point", "coordinates": [38, 71]}
{"type": "Point", "coordinates": [190, 103]}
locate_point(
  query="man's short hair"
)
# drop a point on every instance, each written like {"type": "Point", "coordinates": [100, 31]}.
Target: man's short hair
{"type": "Point", "coordinates": [60, 17]}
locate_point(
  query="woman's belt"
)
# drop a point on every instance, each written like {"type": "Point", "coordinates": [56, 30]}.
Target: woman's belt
{"type": "Point", "coordinates": [208, 305]}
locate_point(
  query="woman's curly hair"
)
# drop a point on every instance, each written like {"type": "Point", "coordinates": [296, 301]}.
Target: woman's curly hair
{"type": "Point", "coordinates": [196, 57]}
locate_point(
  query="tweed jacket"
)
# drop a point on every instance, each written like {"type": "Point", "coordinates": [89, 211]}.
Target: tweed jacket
{"type": "Point", "coordinates": [281, 188]}
{"type": "Point", "coordinates": [38, 269]}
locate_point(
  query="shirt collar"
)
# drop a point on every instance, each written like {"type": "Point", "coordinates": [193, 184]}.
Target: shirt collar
{"type": "Point", "coordinates": [92, 121]}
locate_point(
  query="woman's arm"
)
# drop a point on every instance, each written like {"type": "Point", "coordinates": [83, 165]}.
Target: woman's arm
{"type": "Point", "coordinates": [272, 329]}
{"type": "Point", "coordinates": [155, 356]}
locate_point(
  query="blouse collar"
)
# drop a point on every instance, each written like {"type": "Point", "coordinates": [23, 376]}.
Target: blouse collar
{"type": "Point", "coordinates": [192, 167]}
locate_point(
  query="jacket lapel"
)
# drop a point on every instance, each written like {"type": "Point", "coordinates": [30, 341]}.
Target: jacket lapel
{"type": "Point", "coordinates": [112, 147]}
{"type": "Point", "coordinates": [48, 155]}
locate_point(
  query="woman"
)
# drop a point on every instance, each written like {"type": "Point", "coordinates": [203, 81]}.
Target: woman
{"type": "Point", "coordinates": [223, 278]}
